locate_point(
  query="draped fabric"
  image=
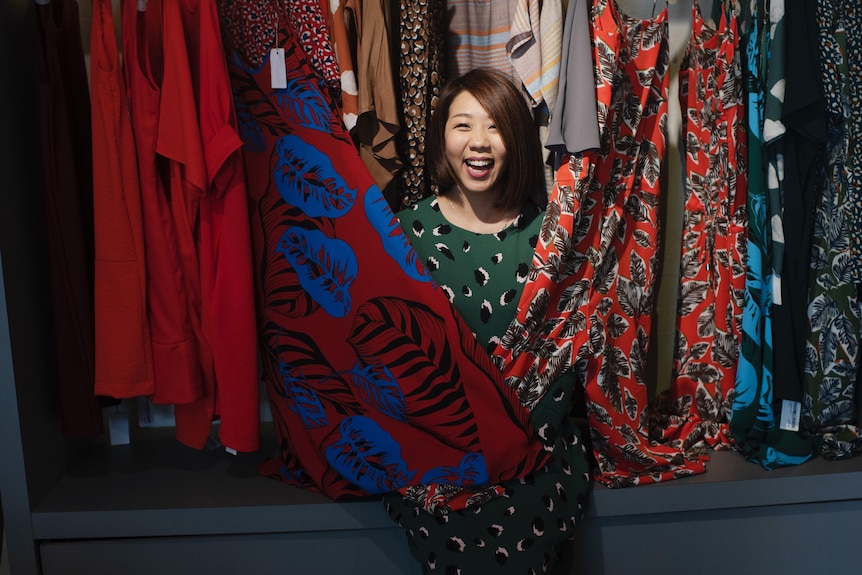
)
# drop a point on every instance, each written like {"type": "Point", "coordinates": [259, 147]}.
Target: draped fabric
{"type": "Point", "coordinates": [574, 125]}
{"type": "Point", "coordinates": [697, 406]}
{"type": "Point", "coordinates": [374, 381]}
{"type": "Point", "coordinates": [832, 351]}
{"type": "Point", "coordinates": [590, 295]}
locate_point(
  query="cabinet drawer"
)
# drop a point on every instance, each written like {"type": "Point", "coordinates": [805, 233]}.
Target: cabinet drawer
{"type": "Point", "coordinates": [358, 552]}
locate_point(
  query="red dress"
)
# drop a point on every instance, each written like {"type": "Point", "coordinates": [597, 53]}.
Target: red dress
{"type": "Point", "coordinates": [124, 359]}
{"type": "Point", "coordinates": [175, 356]}
{"type": "Point", "coordinates": [224, 248]}
{"type": "Point", "coordinates": [589, 302]}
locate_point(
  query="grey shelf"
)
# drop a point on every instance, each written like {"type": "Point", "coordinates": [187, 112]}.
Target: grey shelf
{"type": "Point", "coordinates": [731, 482]}
{"type": "Point", "coordinates": [157, 487]}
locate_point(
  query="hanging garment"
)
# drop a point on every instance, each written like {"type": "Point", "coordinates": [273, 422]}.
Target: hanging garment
{"type": "Point", "coordinates": [124, 358]}
{"type": "Point", "coordinates": [589, 297]}
{"type": "Point", "coordinates": [379, 120]}
{"type": "Point", "coordinates": [422, 74]}
{"type": "Point", "coordinates": [832, 351]}
{"type": "Point", "coordinates": [524, 49]}
{"type": "Point", "coordinates": [804, 115]}
{"type": "Point", "coordinates": [852, 15]}
{"type": "Point", "coordinates": [551, 32]}
{"type": "Point", "coordinates": [310, 21]}
{"type": "Point", "coordinates": [178, 141]}
{"type": "Point", "coordinates": [67, 197]}
{"type": "Point", "coordinates": [477, 34]}
{"type": "Point", "coordinates": [375, 382]}
{"type": "Point", "coordinates": [696, 408]}
{"type": "Point", "coordinates": [175, 357]}
{"type": "Point", "coordinates": [754, 426]}
{"type": "Point", "coordinates": [775, 45]}
{"type": "Point", "coordinates": [340, 13]}
{"type": "Point", "coordinates": [574, 125]}
{"type": "Point", "coordinates": [223, 244]}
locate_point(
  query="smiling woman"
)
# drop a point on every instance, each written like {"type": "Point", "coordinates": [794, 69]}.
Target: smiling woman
{"type": "Point", "coordinates": [477, 239]}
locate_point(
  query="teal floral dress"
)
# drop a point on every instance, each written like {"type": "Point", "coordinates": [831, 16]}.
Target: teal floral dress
{"type": "Point", "coordinates": [529, 528]}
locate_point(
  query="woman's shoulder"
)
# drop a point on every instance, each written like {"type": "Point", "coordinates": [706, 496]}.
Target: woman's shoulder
{"type": "Point", "coordinates": [530, 217]}
{"type": "Point", "coordinates": [424, 213]}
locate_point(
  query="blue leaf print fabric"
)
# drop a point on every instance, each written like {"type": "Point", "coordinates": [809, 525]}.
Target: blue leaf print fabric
{"type": "Point", "coordinates": [395, 242]}
{"type": "Point", "coordinates": [342, 295]}
{"type": "Point", "coordinates": [368, 456]}
{"type": "Point", "coordinates": [377, 387]}
{"type": "Point", "coordinates": [302, 399]}
{"type": "Point", "coordinates": [306, 178]}
{"type": "Point", "coordinates": [471, 471]}
{"type": "Point", "coordinates": [305, 107]}
{"type": "Point", "coordinates": [326, 267]}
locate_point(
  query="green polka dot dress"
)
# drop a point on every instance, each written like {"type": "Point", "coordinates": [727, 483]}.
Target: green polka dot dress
{"type": "Point", "coordinates": [482, 274]}
{"type": "Point", "coordinates": [529, 529]}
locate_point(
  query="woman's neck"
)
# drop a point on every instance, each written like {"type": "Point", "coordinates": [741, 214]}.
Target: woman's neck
{"type": "Point", "coordinates": [477, 213]}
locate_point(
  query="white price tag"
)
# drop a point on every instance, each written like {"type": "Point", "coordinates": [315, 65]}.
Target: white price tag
{"type": "Point", "coordinates": [789, 415]}
{"type": "Point", "coordinates": [278, 73]}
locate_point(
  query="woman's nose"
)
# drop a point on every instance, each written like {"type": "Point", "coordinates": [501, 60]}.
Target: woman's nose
{"type": "Point", "coordinates": [479, 138]}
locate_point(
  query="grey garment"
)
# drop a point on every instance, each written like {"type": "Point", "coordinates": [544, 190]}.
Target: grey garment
{"type": "Point", "coordinates": [574, 123]}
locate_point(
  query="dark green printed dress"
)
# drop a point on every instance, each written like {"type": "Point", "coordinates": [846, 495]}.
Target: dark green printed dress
{"type": "Point", "coordinates": [527, 529]}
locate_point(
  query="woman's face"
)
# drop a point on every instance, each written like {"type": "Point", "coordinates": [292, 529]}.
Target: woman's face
{"type": "Point", "coordinates": [474, 148]}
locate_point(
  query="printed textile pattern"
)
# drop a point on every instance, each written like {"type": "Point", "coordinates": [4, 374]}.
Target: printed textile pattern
{"type": "Point", "coordinates": [483, 284]}
{"type": "Point", "coordinates": [312, 30]}
{"type": "Point", "coordinates": [696, 408]}
{"type": "Point", "coordinates": [753, 423]}
{"type": "Point", "coordinates": [590, 293]}
{"type": "Point", "coordinates": [338, 15]}
{"type": "Point", "coordinates": [422, 75]}
{"type": "Point", "coordinates": [832, 350]}
{"type": "Point", "coordinates": [375, 384]}
{"type": "Point", "coordinates": [853, 126]}
{"type": "Point", "coordinates": [774, 46]}
{"type": "Point", "coordinates": [528, 530]}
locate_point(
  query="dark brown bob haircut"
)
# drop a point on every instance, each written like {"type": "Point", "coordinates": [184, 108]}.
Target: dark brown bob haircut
{"type": "Point", "coordinates": [524, 178]}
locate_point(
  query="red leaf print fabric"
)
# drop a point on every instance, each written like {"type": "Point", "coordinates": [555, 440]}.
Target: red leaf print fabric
{"type": "Point", "coordinates": [714, 236]}
{"type": "Point", "coordinates": [590, 297]}
{"type": "Point", "coordinates": [375, 383]}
